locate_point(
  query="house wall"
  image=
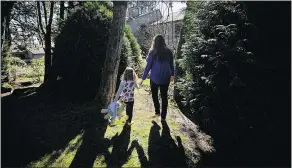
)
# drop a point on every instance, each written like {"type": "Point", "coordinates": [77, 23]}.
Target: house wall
{"type": "Point", "coordinates": [168, 30]}
{"type": "Point", "coordinates": [144, 20]}
{"type": "Point", "coordinates": [28, 55]}
{"type": "Point", "coordinates": [37, 56]}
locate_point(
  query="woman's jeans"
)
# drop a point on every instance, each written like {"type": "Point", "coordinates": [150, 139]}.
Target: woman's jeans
{"type": "Point", "coordinates": [163, 92]}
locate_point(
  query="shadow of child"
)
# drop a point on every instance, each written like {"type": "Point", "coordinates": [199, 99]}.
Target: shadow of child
{"type": "Point", "coordinates": [120, 152]}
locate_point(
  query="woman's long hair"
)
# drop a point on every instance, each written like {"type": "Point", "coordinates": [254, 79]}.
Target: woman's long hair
{"type": "Point", "coordinates": [159, 49]}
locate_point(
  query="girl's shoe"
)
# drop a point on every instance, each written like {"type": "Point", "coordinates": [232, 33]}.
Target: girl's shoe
{"type": "Point", "coordinates": [130, 123]}
{"type": "Point", "coordinates": [104, 111]}
{"type": "Point", "coordinates": [107, 116]}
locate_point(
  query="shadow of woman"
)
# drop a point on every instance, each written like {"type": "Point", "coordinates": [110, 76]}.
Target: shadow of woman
{"type": "Point", "coordinates": [120, 152]}
{"type": "Point", "coordinates": [172, 154]}
{"type": "Point", "coordinates": [162, 150]}
{"type": "Point", "coordinates": [154, 145]}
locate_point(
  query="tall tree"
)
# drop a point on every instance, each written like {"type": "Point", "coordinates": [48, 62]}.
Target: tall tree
{"type": "Point", "coordinates": [112, 60]}
{"type": "Point", "coordinates": [24, 27]}
{"type": "Point", "coordinates": [5, 37]}
{"type": "Point", "coordinates": [46, 34]}
{"type": "Point", "coordinates": [5, 21]}
{"type": "Point", "coordinates": [62, 9]}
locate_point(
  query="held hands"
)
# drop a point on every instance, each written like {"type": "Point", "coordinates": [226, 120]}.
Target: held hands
{"type": "Point", "coordinates": [171, 78]}
{"type": "Point", "coordinates": [140, 83]}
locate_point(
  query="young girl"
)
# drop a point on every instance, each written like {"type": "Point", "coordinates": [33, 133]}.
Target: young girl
{"type": "Point", "coordinates": [126, 91]}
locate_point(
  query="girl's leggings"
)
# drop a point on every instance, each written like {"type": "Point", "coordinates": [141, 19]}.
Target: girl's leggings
{"type": "Point", "coordinates": [129, 110]}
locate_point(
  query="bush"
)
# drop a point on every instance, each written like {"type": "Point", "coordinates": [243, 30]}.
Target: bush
{"type": "Point", "coordinates": [37, 66]}
{"type": "Point", "coordinates": [125, 60]}
{"type": "Point", "coordinates": [13, 66]}
{"type": "Point", "coordinates": [6, 85]}
{"type": "Point", "coordinates": [189, 27]}
{"type": "Point", "coordinates": [219, 63]}
{"type": "Point", "coordinates": [230, 76]}
{"type": "Point", "coordinates": [80, 50]}
{"type": "Point", "coordinates": [137, 61]}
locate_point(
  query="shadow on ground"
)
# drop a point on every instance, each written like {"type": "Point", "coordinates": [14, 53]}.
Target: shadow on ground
{"type": "Point", "coordinates": [162, 149]}
{"type": "Point", "coordinates": [35, 124]}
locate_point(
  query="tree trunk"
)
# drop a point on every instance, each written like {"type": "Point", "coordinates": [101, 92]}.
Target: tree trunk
{"type": "Point", "coordinates": [5, 21]}
{"type": "Point", "coordinates": [47, 55]}
{"type": "Point", "coordinates": [48, 44]}
{"type": "Point", "coordinates": [112, 60]}
{"type": "Point", "coordinates": [5, 38]}
{"type": "Point", "coordinates": [62, 9]}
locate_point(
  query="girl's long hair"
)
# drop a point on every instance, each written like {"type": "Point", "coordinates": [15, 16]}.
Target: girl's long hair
{"type": "Point", "coordinates": [159, 49]}
{"type": "Point", "coordinates": [129, 74]}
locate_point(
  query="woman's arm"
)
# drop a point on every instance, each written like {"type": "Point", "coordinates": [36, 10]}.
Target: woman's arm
{"type": "Point", "coordinates": [121, 87]}
{"type": "Point", "coordinates": [148, 66]}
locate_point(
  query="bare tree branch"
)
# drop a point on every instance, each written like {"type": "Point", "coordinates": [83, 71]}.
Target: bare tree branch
{"type": "Point", "coordinates": [45, 12]}
{"type": "Point", "coordinates": [40, 17]}
{"type": "Point", "coordinates": [51, 14]}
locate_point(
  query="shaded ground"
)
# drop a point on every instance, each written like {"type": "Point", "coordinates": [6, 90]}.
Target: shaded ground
{"type": "Point", "coordinates": [34, 124]}
{"type": "Point", "coordinates": [45, 131]}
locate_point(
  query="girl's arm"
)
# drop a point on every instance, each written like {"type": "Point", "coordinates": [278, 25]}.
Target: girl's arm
{"type": "Point", "coordinates": [148, 66]}
{"type": "Point", "coordinates": [137, 85]}
{"type": "Point", "coordinates": [136, 81]}
{"type": "Point", "coordinates": [121, 87]}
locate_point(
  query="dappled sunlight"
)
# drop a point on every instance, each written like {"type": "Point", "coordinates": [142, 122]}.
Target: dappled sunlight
{"type": "Point", "coordinates": [60, 158]}
{"type": "Point", "coordinates": [146, 135]}
{"type": "Point", "coordinates": [99, 161]}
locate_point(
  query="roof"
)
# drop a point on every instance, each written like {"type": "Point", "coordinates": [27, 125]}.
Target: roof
{"type": "Point", "coordinates": [150, 17]}
{"type": "Point", "coordinates": [34, 49]}
{"type": "Point", "coordinates": [175, 16]}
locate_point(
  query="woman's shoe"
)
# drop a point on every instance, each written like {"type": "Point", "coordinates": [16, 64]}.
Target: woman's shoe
{"type": "Point", "coordinates": [156, 115]}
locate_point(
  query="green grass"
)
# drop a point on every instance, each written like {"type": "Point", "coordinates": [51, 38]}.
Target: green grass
{"type": "Point", "coordinates": [146, 82]}
{"type": "Point", "coordinates": [6, 85]}
{"type": "Point", "coordinates": [127, 144]}
{"type": "Point", "coordinates": [21, 72]}
{"type": "Point", "coordinates": [60, 158]}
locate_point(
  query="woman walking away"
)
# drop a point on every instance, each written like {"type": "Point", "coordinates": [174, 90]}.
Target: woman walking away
{"type": "Point", "coordinates": [126, 88]}
{"type": "Point", "coordinates": [160, 62]}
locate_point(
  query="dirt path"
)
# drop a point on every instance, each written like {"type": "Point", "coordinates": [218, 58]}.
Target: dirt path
{"type": "Point", "coordinates": [194, 142]}
{"type": "Point", "coordinates": [148, 142]}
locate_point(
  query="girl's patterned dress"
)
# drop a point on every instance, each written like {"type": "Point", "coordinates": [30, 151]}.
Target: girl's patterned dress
{"type": "Point", "coordinates": [127, 94]}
